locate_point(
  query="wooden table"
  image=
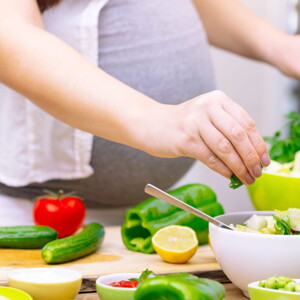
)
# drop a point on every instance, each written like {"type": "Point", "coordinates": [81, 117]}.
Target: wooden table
{"type": "Point", "coordinates": [232, 293]}
{"type": "Point", "coordinates": [113, 257]}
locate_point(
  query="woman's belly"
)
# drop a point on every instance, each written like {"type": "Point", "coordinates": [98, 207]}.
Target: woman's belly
{"type": "Point", "coordinates": [158, 47]}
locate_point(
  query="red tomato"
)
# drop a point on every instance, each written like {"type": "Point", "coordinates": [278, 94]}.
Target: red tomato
{"type": "Point", "coordinates": [63, 212]}
{"type": "Point", "coordinates": [125, 284]}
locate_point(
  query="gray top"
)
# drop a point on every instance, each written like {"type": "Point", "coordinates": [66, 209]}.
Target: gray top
{"type": "Point", "coordinates": [159, 48]}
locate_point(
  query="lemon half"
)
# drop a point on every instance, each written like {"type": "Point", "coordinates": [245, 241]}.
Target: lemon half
{"type": "Point", "coordinates": [175, 243]}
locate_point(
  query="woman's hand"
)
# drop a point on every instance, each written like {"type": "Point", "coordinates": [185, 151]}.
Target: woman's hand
{"type": "Point", "coordinates": [214, 130]}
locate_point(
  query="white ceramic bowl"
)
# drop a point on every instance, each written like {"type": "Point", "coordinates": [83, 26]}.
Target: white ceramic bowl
{"type": "Point", "coordinates": [248, 257]}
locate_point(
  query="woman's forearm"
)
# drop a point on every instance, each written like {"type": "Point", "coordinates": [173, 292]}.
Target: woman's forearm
{"type": "Point", "coordinates": [233, 27]}
{"type": "Point", "coordinates": [63, 83]}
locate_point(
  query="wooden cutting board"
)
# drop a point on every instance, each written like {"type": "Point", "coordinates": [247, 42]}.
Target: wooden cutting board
{"type": "Point", "coordinates": [113, 257]}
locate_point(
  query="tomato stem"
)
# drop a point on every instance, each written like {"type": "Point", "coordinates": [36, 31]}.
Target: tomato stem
{"type": "Point", "coordinates": [60, 194]}
{"type": "Point", "coordinates": [48, 192]}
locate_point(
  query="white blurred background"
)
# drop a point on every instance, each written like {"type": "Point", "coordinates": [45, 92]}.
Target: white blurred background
{"type": "Point", "coordinates": [260, 89]}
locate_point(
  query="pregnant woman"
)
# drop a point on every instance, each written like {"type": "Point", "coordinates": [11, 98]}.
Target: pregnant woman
{"type": "Point", "coordinates": [103, 97]}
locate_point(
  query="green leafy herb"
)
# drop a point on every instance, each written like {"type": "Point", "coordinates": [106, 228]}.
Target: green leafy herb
{"type": "Point", "coordinates": [145, 274]}
{"type": "Point", "coordinates": [235, 182]}
{"type": "Point", "coordinates": [283, 149]}
{"type": "Point", "coordinates": [282, 225]}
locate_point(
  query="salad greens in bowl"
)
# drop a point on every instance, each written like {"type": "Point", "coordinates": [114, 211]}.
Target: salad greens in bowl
{"type": "Point", "coordinates": [281, 222]}
{"type": "Point", "coordinates": [264, 244]}
{"type": "Point", "coordinates": [279, 186]}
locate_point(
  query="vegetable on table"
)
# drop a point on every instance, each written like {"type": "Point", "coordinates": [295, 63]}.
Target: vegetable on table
{"type": "Point", "coordinates": [145, 219]}
{"type": "Point", "coordinates": [180, 286]}
{"type": "Point", "coordinates": [75, 246]}
{"type": "Point", "coordinates": [26, 237]}
{"type": "Point", "coordinates": [63, 212]}
{"type": "Point", "coordinates": [175, 243]}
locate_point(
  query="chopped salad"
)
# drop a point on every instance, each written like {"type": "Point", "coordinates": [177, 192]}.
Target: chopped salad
{"type": "Point", "coordinates": [282, 223]}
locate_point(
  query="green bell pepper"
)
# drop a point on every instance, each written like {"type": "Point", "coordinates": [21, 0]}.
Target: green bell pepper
{"type": "Point", "coordinates": [143, 220]}
{"type": "Point", "coordinates": [180, 286]}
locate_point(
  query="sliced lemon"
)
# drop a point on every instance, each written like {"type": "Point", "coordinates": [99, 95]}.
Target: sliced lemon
{"type": "Point", "coordinates": [175, 243]}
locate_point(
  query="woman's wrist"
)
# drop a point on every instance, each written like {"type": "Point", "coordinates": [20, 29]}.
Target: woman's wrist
{"type": "Point", "coordinates": [277, 50]}
{"type": "Point", "coordinates": [154, 129]}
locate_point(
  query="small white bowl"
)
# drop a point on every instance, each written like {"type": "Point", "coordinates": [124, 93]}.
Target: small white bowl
{"type": "Point", "coordinates": [47, 283]}
{"type": "Point", "coordinates": [247, 257]}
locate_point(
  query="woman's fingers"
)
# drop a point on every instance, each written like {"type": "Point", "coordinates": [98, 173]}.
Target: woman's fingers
{"type": "Point", "coordinates": [221, 134]}
{"type": "Point", "coordinates": [200, 151]}
{"type": "Point", "coordinates": [242, 146]}
{"type": "Point", "coordinates": [241, 116]}
{"type": "Point", "coordinates": [223, 144]}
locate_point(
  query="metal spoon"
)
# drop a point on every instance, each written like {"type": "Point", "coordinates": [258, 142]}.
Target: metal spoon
{"type": "Point", "coordinates": [158, 193]}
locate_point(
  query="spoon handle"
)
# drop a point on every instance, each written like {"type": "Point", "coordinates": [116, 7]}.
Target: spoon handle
{"type": "Point", "coordinates": [158, 193]}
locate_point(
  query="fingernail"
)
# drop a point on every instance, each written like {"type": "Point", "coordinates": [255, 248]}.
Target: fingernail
{"type": "Point", "coordinates": [265, 160]}
{"type": "Point", "coordinates": [257, 171]}
{"type": "Point", "coordinates": [249, 179]}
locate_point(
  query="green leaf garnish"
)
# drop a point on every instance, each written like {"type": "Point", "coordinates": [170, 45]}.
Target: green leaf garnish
{"type": "Point", "coordinates": [235, 182]}
{"type": "Point", "coordinates": [145, 274]}
{"type": "Point", "coordinates": [133, 279]}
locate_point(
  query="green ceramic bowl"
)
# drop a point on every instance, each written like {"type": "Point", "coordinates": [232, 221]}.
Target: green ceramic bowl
{"type": "Point", "coordinates": [107, 292]}
{"type": "Point", "coordinates": [8, 293]}
{"type": "Point", "coordinates": [275, 191]}
{"type": "Point", "coordinates": [258, 293]}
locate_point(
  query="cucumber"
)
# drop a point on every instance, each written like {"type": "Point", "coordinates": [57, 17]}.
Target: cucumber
{"type": "Point", "coordinates": [26, 237]}
{"type": "Point", "coordinates": [75, 246]}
